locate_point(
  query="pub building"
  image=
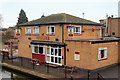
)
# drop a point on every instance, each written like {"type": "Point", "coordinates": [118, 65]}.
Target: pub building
{"type": "Point", "coordinates": [63, 39]}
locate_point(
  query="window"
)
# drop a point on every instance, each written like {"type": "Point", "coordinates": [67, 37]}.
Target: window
{"type": "Point", "coordinates": [102, 53]}
{"type": "Point", "coordinates": [28, 30]}
{"type": "Point", "coordinates": [39, 49]}
{"type": "Point", "coordinates": [50, 30]}
{"type": "Point", "coordinates": [54, 55]}
{"type": "Point", "coordinates": [77, 30]}
{"type": "Point", "coordinates": [35, 30]}
{"type": "Point", "coordinates": [74, 30]}
{"type": "Point", "coordinates": [77, 55]}
{"type": "Point", "coordinates": [70, 31]}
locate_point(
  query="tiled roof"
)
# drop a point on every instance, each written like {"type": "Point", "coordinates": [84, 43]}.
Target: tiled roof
{"type": "Point", "coordinates": [59, 18]}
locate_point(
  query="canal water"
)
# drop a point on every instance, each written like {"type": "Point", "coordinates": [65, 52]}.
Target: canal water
{"type": "Point", "coordinates": [10, 75]}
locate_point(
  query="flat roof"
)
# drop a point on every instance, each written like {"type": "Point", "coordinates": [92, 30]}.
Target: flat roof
{"type": "Point", "coordinates": [94, 41]}
{"type": "Point", "coordinates": [36, 42]}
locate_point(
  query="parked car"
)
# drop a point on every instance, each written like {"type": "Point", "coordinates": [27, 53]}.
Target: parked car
{"type": "Point", "coordinates": [7, 42]}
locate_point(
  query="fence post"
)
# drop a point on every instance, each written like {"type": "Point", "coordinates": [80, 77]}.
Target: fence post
{"type": "Point", "coordinates": [65, 72]}
{"type": "Point", "coordinates": [3, 57]}
{"type": "Point", "coordinates": [47, 68]}
{"type": "Point", "coordinates": [98, 76]}
{"type": "Point", "coordinates": [33, 64]}
{"type": "Point", "coordinates": [88, 74]}
{"type": "Point", "coordinates": [11, 51]}
{"type": "Point", "coordinates": [21, 61]}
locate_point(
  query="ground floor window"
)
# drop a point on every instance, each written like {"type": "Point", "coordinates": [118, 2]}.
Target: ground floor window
{"type": "Point", "coordinates": [102, 53]}
{"type": "Point", "coordinates": [54, 55]}
{"type": "Point", "coordinates": [77, 55]}
{"type": "Point", "coordinates": [39, 49]}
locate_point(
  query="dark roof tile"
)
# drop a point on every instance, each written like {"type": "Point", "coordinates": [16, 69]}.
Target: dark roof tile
{"type": "Point", "coordinates": [58, 18]}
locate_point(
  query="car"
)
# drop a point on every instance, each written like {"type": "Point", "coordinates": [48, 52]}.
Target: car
{"type": "Point", "coordinates": [7, 42]}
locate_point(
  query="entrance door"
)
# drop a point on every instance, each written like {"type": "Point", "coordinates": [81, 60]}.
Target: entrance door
{"type": "Point", "coordinates": [54, 55]}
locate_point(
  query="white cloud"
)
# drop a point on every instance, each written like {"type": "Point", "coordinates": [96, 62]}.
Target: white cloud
{"type": "Point", "coordinates": [59, 0]}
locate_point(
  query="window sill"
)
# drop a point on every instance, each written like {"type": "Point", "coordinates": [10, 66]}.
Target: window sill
{"type": "Point", "coordinates": [39, 54]}
{"type": "Point", "coordinates": [77, 34]}
{"type": "Point", "coordinates": [35, 34]}
{"type": "Point", "coordinates": [50, 34]}
{"type": "Point", "coordinates": [102, 59]}
{"type": "Point", "coordinates": [28, 34]}
{"type": "Point", "coordinates": [54, 64]}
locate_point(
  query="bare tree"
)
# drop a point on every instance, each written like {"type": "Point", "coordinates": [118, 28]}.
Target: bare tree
{"type": "Point", "coordinates": [1, 19]}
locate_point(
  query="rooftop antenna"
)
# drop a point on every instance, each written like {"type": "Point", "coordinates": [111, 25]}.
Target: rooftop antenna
{"type": "Point", "coordinates": [43, 15]}
{"type": "Point", "coordinates": [83, 14]}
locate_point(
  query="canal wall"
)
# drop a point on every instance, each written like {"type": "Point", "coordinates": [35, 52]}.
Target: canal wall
{"type": "Point", "coordinates": [27, 72]}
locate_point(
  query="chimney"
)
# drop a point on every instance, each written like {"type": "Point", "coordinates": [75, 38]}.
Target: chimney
{"type": "Point", "coordinates": [106, 30]}
{"type": "Point", "coordinates": [111, 16]}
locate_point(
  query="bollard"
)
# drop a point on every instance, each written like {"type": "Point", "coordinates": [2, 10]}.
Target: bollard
{"type": "Point", "coordinates": [47, 68]}
{"type": "Point", "coordinates": [3, 57]}
{"type": "Point", "coordinates": [33, 64]}
{"type": "Point", "coordinates": [98, 76]}
{"type": "Point", "coordinates": [21, 61]}
{"type": "Point", "coordinates": [88, 75]}
{"type": "Point", "coordinates": [65, 72]}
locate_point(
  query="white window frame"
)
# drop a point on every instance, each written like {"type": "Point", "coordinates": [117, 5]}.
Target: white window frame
{"type": "Point", "coordinates": [26, 31]}
{"type": "Point", "coordinates": [53, 55]}
{"type": "Point", "coordinates": [105, 53]}
{"type": "Point", "coordinates": [36, 31]}
{"type": "Point", "coordinates": [75, 30]}
{"type": "Point", "coordinates": [77, 56]}
{"type": "Point", "coordinates": [38, 49]}
{"type": "Point", "coordinates": [49, 31]}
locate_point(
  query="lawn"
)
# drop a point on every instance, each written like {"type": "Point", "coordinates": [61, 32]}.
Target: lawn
{"type": "Point", "coordinates": [1, 43]}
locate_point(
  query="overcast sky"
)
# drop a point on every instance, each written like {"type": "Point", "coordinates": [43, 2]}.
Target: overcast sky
{"type": "Point", "coordinates": [94, 9]}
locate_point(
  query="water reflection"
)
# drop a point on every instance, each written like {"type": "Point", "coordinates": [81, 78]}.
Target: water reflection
{"type": "Point", "coordinates": [5, 73]}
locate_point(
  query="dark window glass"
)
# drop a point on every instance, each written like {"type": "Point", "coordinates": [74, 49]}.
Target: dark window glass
{"type": "Point", "coordinates": [41, 50]}
{"type": "Point", "coordinates": [52, 59]}
{"type": "Point", "coordinates": [59, 60]}
{"type": "Point", "coordinates": [59, 52]}
{"type": "Point", "coordinates": [52, 29]}
{"type": "Point", "coordinates": [51, 51]}
{"type": "Point", "coordinates": [102, 53]}
{"type": "Point", "coordinates": [55, 51]}
{"type": "Point", "coordinates": [55, 59]}
{"type": "Point", "coordinates": [36, 49]}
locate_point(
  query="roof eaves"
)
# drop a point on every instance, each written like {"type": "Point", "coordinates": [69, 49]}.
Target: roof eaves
{"type": "Point", "coordinates": [60, 23]}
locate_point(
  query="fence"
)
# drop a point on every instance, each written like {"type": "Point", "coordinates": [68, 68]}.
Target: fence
{"type": "Point", "coordinates": [46, 68]}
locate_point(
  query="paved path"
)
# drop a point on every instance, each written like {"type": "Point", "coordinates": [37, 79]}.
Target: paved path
{"type": "Point", "coordinates": [112, 72]}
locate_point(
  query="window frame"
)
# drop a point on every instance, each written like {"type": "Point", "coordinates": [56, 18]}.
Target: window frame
{"type": "Point", "coordinates": [105, 53]}
{"type": "Point", "coordinates": [34, 31]}
{"type": "Point", "coordinates": [75, 30]}
{"type": "Point", "coordinates": [38, 49]}
{"type": "Point", "coordinates": [49, 55]}
{"type": "Point", "coordinates": [50, 32]}
{"type": "Point", "coordinates": [26, 30]}
{"type": "Point", "coordinates": [76, 55]}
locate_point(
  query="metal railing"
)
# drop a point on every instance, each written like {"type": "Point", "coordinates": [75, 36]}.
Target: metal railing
{"type": "Point", "coordinates": [46, 68]}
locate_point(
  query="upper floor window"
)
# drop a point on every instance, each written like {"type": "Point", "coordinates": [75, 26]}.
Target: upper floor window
{"type": "Point", "coordinates": [28, 30]}
{"type": "Point", "coordinates": [35, 30]}
{"type": "Point", "coordinates": [77, 30]}
{"type": "Point", "coordinates": [50, 30]}
{"type": "Point", "coordinates": [102, 53]}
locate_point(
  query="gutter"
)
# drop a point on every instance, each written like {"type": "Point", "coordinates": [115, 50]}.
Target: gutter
{"type": "Point", "coordinates": [59, 23]}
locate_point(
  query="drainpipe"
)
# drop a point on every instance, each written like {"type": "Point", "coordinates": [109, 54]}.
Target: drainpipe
{"type": "Point", "coordinates": [62, 33]}
{"type": "Point", "coordinates": [64, 50]}
{"type": "Point", "coordinates": [106, 30]}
